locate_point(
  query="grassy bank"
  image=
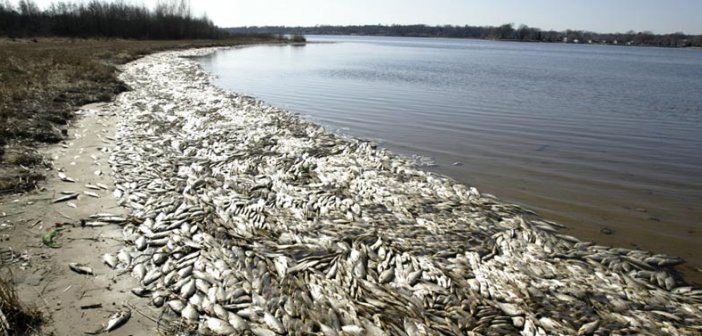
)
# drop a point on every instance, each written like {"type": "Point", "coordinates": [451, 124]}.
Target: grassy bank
{"type": "Point", "coordinates": [42, 83]}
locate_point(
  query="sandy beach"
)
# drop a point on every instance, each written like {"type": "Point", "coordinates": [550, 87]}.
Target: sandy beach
{"type": "Point", "coordinates": [72, 303]}
{"type": "Point", "coordinates": [242, 218]}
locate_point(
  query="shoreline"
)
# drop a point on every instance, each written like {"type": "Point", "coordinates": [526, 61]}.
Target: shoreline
{"type": "Point", "coordinates": [583, 188]}
{"type": "Point", "coordinates": [51, 77]}
{"type": "Point", "coordinates": [243, 214]}
{"type": "Point", "coordinates": [289, 194]}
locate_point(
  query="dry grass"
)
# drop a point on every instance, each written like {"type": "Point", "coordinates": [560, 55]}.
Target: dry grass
{"type": "Point", "coordinates": [43, 81]}
{"type": "Point", "coordinates": [176, 326]}
{"type": "Point", "coordinates": [22, 156]}
{"type": "Point", "coordinates": [15, 318]}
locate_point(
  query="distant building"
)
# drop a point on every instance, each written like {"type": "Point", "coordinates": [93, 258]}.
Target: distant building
{"type": "Point", "coordinates": [565, 40]}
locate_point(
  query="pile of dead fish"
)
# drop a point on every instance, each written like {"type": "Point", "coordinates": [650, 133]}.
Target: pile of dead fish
{"type": "Point", "coordinates": [247, 219]}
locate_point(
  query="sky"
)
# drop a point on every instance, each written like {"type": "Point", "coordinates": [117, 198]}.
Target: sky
{"type": "Point", "coordinates": [658, 16]}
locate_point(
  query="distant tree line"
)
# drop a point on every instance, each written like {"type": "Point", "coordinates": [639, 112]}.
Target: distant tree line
{"type": "Point", "coordinates": [503, 32]}
{"type": "Point", "coordinates": [170, 19]}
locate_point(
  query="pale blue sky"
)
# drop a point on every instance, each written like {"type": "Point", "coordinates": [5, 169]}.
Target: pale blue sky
{"type": "Point", "coordinates": [659, 16]}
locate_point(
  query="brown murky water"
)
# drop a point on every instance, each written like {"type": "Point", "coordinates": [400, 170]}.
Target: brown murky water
{"type": "Point", "coordinates": [607, 140]}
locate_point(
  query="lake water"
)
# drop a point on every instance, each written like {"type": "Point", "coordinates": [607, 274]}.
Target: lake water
{"type": "Point", "coordinates": [590, 136]}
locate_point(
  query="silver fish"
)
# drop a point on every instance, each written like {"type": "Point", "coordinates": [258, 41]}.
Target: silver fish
{"type": "Point", "coordinates": [109, 260]}
{"type": "Point", "coordinates": [66, 198]}
{"type": "Point", "coordinates": [219, 327]}
{"type": "Point", "coordinates": [80, 268]}
{"type": "Point", "coordinates": [118, 319]}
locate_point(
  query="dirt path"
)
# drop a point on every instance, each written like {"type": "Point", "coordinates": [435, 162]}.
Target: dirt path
{"type": "Point", "coordinates": [41, 273]}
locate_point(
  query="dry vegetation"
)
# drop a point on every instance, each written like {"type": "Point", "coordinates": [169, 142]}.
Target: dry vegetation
{"type": "Point", "coordinates": [43, 81]}
{"type": "Point", "coordinates": [15, 318]}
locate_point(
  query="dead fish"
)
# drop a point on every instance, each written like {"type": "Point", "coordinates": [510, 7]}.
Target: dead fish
{"type": "Point", "coordinates": [139, 271]}
{"type": "Point", "coordinates": [95, 224]}
{"type": "Point", "coordinates": [510, 309]}
{"type": "Point", "coordinates": [327, 331]}
{"type": "Point", "coordinates": [414, 277]}
{"type": "Point", "coordinates": [159, 258]}
{"type": "Point", "coordinates": [219, 327]}
{"type": "Point", "coordinates": [372, 329]}
{"type": "Point", "coordinates": [109, 260]}
{"type": "Point", "coordinates": [411, 327]}
{"type": "Point", "coordinates": [124, 257]}
{"type": "Point", "coordinates": [237, 322]}
{"type": "Point", "coordinates": [140, 243]}
{"type": "Point", "coordinates": [66, 198]}
{"type": "Point", "coordinates": [176, 305]}
{"type": "Point", "coordinates": [118, 319]}
{"type": "Point", "coordinates": [588, 328]}
{"type": "Point", "coordinates": [65, 178]}
{"type": "Point", "coordinates": [152, 276]}
{"type": "Point", "coordinates": [114, 219]}
{"type": "Point", "coordinates": [91, 194]}
{"type": "Point", "coordinates": [188, 289]}
{"type": "Point", "coordinates": [273, 323]}
{"type": "Point", "coordinates": [158, 301]}
{"type": "Point", "coordinates": [189, 313]}
{"type": "Point", "coordinates": [387, 275]}
{"type": "Point", "coordinates": [352, 330]}
{"type": "Point", "coordinates": [141, 291]}
{"type": "Point", "coordinates": [262, 332]}
{"type": "Point", "coordinates": [277, 241]}
{"type": "Point", "coordinates": [94, 187]}
{"type": "Point", "coordinates": [80, 269]}
{"type": "Point", "coordinates": [102, 214]}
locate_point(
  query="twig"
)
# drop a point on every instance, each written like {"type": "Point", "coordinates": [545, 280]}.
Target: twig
{"type": "Point", "coordinates": [92, 239]}
{"type": "Point", "coordinates": [142, 314]}
{"type": "Point", "coordinates": [92, 306]}
{"type": "Point", "coordinates": [41, 296]}
{"type": "Point", "coordinates": [59, 212]}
